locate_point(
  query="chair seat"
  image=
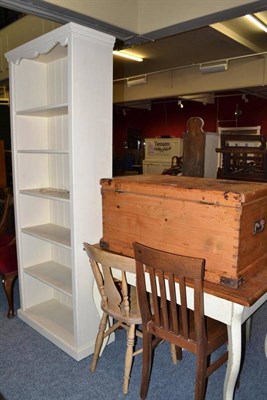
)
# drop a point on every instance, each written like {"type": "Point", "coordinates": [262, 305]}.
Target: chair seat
{"type": "Point", "coordinates": [213, 329]}
{"type": "Point", "coordinates": [8, 259]}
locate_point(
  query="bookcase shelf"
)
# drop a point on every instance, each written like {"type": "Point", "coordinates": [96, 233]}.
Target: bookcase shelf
{"type": "Point", "coordinates": [51, 233]}
{"type": "Point", "coordinates": [45, 151]}
{"type": "Point", "coordinates": [54, 321]}
{"type": "Point", "coordinates": [49, 193]}
{"type": "Point", "coordinates": [56, 275]}
{"type": "Point", "coordinates": [45, 111]}
{"type": "Point", "coordinates": [58, 90]}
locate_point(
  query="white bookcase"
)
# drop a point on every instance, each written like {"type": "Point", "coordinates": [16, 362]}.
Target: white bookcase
{"type": "Point", "coordinates": [61, 118]}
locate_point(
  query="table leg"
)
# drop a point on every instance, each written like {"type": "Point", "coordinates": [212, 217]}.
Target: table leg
{"type": "Point", "coordinates": [248, 329]}
{"type": "Point", "coordinates": [234, 352]}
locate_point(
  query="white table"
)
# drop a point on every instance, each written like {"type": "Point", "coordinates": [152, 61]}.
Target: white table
{"type": "Point", "coordinates": [225, 305]}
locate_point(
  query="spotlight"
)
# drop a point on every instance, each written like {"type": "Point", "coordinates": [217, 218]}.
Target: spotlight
{"type": "Point", "coordinates": [180, 104]}
{"type": "Point", "coordinates": [238, 112]}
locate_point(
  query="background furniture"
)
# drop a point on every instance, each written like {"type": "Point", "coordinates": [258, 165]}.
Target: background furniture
{"type": "Point", "coordinates": [6, 199]}
{"type": "Point", "coordinates": [8, 253]}
{"type": "Point", "coordinates": [199, 150]}
{"type": "Point", "coordinates": [159, 153]}
{"type": "Point", "coordinates": [194, 148]}
{"type": "Point", "coordinates": [163, 318]}
{"type": "Point", "coordinates": [2, 165]}
{"type": "Point", "coordinates": [8, 269]}
{"type": "Point", "coordinates": [61, 87]}
{"type": "Point", "coordinates": [244, 156]}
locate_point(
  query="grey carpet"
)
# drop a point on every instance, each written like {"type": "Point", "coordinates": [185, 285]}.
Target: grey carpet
{"type": "Point", "coordinates": [32, 368]}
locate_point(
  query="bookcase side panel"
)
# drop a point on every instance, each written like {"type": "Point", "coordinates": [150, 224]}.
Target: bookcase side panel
{"type": "Point", "coordinates": [91, 104]}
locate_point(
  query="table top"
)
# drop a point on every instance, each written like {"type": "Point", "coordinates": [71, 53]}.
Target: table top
{"type": "Point", "coordinates": [248, 292]}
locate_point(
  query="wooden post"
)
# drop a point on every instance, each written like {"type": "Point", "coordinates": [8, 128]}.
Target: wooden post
{"type": "Point", "coordinates": [194, 148]}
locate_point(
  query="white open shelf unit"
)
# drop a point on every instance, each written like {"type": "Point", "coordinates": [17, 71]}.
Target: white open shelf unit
{"type": "Point", "coordinates": [61, 87]}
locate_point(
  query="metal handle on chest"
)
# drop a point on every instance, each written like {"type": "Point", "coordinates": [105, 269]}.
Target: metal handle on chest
{"type": "Point", "coordinates": [259, 226]}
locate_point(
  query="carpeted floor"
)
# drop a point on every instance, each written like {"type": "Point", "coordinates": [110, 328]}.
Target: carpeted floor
{"type": "Point", "coordinates": [32, 368]}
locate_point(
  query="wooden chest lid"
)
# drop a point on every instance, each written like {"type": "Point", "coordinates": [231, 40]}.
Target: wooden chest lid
{"type": "Point", "coordinates": [207, 191]}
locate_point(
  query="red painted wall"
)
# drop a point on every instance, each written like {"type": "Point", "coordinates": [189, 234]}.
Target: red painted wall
{"type": "Point", "coordinates": [167, 118]}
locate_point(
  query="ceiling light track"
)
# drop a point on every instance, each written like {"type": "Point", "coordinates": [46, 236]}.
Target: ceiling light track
{"type": "Point", "coordinates": [221, 61]}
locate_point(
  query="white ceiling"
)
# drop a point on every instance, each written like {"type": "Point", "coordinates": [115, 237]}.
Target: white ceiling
{"type": "Point", "coordinates": [232, 38]}
{"type": "Point", "coordinates": [166, 48]}
{"type": "Point", "coordinates": [228, 39]}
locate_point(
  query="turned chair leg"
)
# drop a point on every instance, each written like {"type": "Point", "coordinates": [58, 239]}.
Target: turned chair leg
{"type": "Point", "coordinates": [8, 281]}
{"type": "Point", "coordinates": [128, 358]}
{"type": "Point", "coordinates": [99, 341]}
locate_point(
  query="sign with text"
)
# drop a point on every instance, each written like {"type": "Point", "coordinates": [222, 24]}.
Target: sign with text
{"type": "Point", "coordinates": [163, 148]}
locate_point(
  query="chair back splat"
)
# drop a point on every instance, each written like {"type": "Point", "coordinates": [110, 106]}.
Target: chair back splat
{"type": "Point", "coordinates": [168, 314]}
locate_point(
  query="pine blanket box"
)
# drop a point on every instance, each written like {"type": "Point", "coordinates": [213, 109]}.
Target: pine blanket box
{"type": "Point", "coordinates": [222, 221]}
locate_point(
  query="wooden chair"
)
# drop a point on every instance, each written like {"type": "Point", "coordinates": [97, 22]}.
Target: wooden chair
{"type": "Point", "coordinates": [118, 300]}
{"type": "Point", "coordinates": [8, 254]}
{"type": "Point", "coordinates": [8, 270]}
{"type": "Point", "coordinates": [177, 324]}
